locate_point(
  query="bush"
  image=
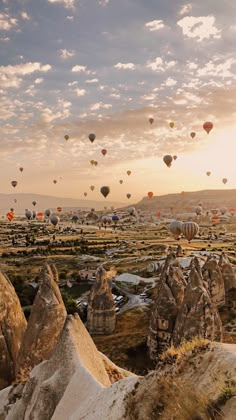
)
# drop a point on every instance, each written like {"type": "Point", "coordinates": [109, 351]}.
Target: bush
{"type": "Point", "coordinates": [69, 302]}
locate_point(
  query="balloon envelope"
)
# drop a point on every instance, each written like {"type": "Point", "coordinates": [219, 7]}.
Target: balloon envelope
{"type": "Point", "coordinates": [14, 183]}
{"type": "Point", "coordinates": [193, 134]}
{"type": "Point", "coordinates": [54, 220]}
{"type": "Point", "coordinates": [171, 124]}
{"type": "Point", "coordinates": [128, 195]}
{"type": "Point", "coordinates": [104, 152]}
{"type": "Point", "coordinates": [207, 126]}
{"type": "Point", "coordinates": [190, 230]}
{"type": "Point", "coordinates": [150, 194]}
{"type": "Point", "coordinates": [168, 160]}
{"type": "Point", "coordinates": [151, 120]}
{"type": "Point", "coordinates": [92, 137]}
{"type": "Point", "coordinates": [176, 228]}
{"type": "Point", "coordinates": [105, 191]}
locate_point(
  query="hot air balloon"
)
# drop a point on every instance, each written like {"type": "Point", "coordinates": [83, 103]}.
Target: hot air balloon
{"type": "Point", "coordinates": [54, 181]}
{"type": "Point", "coordinates": [198, 210]}
{"type": "Point", "coordinates": [34, 214]}
{"type": "Point", "coordinates": [190, 230]}
{"type": "Point", "coordinates": [34, 203]}
{"type": "Point", "coordinates": [14, 183]}
{"type": "Point", "coordinates": [92, 162]}
{"type": "Point", "coordinates": [150, 194]}
{"type": "Point", "coordinates": [176, 228]}
{"type": "Point", "coordinates": [223, 210]}
{"type": "Point", "coordinates": [12, 210]}
{"type": "Point", "coordinates": [121, 181]}
{"type": "Point", "coordinates": [92, 137]}
{"type": "Point", "coordinates": [115, 218]}
{"type": "Point", "coordinates": [168, 160]}
{"type": "Point", "coordinates": [193, 134]}
{"type": "Point", "coordinates": [128, 173]}
{"type": "Point", "coordinates": [66, 137]}
{"type": "Point", "coordinates": [85, 194]}
{"type": "Point", "coordinates": [54, 220]}
{"type": "Point", "coordinates": [95, 163]}
{"type": "Point", "coordinates": [214, 211]}
{"type": "Point", "coordinates": [59, 209]}
{"type": "Point", "coordinates": [105, 191]}
{"type": "Point", "coordinates": [128, 195]}
{"type": "Point", "coordinates": [174, 157]}
{"type": "Point", "coordinates": [28, 214]}
{"type": "Point", "coordinates": [171, 124]}
{"type": "Point", "coordinates": [208, 173]}
{"type": "Point", "coordinates": [151, 120]}
{"type": "Point", "coordinates": [48, 213]}
{"type": "Point", "coordinates": [92, 188]}
{"type": "Point", "coordinates": [208, 126]}
{"type": "Point", "coordinates": [21, 169]}
{"type": "Point", "coordinates": [40, 217]}
{"type": "Point", "coordinates": [75, 218]}
{"type": "Point", "coordinates": [104, 152]}
{"type": "Point", "coordinates": [224, 180]}
{"type": "Point", "coordinates": [215, 220]}
{"type": "Point", "coordinates": [10, 216]}
{"type": "Point", "coordinates": [131, 210]}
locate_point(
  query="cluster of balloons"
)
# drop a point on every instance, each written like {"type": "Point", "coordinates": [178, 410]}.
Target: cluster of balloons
{"type": "Point", "coordinates": [188, 229]}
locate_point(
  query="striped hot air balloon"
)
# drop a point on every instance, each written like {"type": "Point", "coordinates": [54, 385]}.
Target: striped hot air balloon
{"type": "Point", "coordinates": [10, 216]}
{"type": "Point", "coordinates": [190, 230]}
{"type": "Point", "coordinates": [59, 209]}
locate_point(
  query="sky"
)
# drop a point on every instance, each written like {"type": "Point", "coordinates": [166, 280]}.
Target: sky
{"type": "Point", "coordinates": [75, 67]}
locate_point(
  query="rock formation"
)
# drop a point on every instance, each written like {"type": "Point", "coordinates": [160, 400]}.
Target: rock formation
{"type": "Point", "coordinates": [45, 324]}
{"type": "Point", "coordinates": [198, 315]}
{"type": "Point", "coordinates": [170, 295]}
{"type": "Point", "coordinates": [229, 282]}
{"type": "Point", "coordinates": [101, 316]}
{"type": "Point", "coordinates": [75, 372]}
{"type": "Point", "coordinates": [212, 275]}
{"type": "Point", "coordinates": [12, 328]}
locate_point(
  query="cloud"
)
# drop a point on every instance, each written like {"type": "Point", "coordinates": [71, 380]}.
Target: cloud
{"type": "Point", "coordinates": [80, 92]}
{"type": "Point", "coordinates": [70, 17]}
{"type": "Point", "coordinates": [4, 39]}
{"type": "Point", "coordinates": [185, 9]}
{"type": "Point", "coordinates": [125, 66]}
{"type": "Point", "coordinates": [79, 69]}
{"type": "Point", "coordinates": [68, 4]}
{"type": "Point", "coordinates": [155, 25]}
{"type": "Point", "coordinates": [170, 82]}
{"type": "Point", "coordinates": [214, 68]}
{"type": "Point", "coordinates": [100, 105]}
{"type": "Point", "coordinates": [92, 81]}
{"type": "Point", "coordinates": [7, 22]}
{"type": "Point", "coordinates": [38, 80]}
{"type": "Point", "coordinates": [156, 65]}
{"type": "Point", "coordinates": [60, 111]}
{"type": "Point", "coordinates": [9, 75]}
{"type": "Point", "coordinates": [115, 95]}
{"type": "Point", "coordinates": [64, 53]}
{"type": "Point", "coordinates": [25, 16]}
{"type": "Point", "coordinates": [202, 27]}
{"type": "Point", "coordinates": [72, 83]}
{"type": "Point", "coordinates": [103, 2]}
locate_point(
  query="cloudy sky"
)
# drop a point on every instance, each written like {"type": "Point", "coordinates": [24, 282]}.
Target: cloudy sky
{"type": "Point", "coordinates": [105, 66]}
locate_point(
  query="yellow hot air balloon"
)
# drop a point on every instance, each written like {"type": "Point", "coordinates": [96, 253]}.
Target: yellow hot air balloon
{"type": "Point", "coordinates": [171, 124]}
{"type": "Point", "coordinates": [92, 188]}
{"type": "Point", "coordinates": [128, 173]}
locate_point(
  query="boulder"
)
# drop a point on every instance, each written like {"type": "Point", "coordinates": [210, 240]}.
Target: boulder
{"type": "Point", "coordinates": [12, 329]}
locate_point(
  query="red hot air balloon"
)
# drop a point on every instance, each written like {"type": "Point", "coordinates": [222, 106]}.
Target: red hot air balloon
{"type": "Point", "coordinates": [151, 120]}
{"type": "Point", "coordinates": [59, 209]}
{"type": "Point", "coordinates": [104, 152]}
{"type": "Point", "coordinates": [40, 217]}
{"type": "Point", "coordinates": [10, 216]}
{"type": "Point", "coordinates": [150, 194]}
{"type": "Point", "coordinates": [208, 126]}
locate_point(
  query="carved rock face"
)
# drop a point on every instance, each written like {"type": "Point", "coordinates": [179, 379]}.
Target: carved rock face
{"type": "Point", "coordinates": [213, 277]}
{"type": "Point", "coordinates": [12, 328]}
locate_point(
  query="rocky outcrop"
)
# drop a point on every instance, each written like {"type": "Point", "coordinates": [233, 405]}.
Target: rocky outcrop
{"type": "Point", "coordinates": [198, 315]}
{"type": "Point", "coordinates": [229, 282]}
{"type": "Point", "coordinates": [75, 372]}
{"type": "Point", "coordinates": [212, 275]}
{"type": "Point", "coordinates": [101, 316]}
{"type": "Point", "coordinates": [12, 328]}
{"type": "Point", "coordinates": [170, 295]}
{"type": "Point", "coordinates": [45, 324]}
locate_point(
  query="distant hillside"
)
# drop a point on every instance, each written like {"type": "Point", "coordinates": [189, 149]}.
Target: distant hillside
{"type": "Point", "coordinates": [24, 201]}
{"type": "Point", "coordinates": [188, 200]}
